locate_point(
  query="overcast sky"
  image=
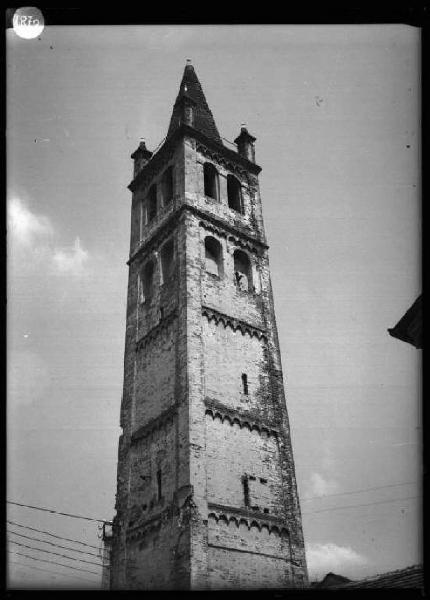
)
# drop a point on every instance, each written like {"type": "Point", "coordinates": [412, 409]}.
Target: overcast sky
{"type": "Point", "coordinates": [336, 113]}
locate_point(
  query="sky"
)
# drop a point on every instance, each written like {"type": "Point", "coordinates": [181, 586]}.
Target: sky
{"type": "Point", "coordinates": [336, 114]}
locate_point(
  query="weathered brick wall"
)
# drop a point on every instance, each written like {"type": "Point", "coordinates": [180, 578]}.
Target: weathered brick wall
{"type": "Point", "coordinates": [252, 453]}
{"type": "Point", "coordinates": [149, 563]}
{"type": "Point", "coordinates": [248, 535]}
{"type": "Point", "coordinates": [155, 546]}
{"type": "Point", "coordinates": [152, 558]}
{"type": "Point", "coordinates": [151, 536]}
{"type": "Point", "coordinates": [260, 559]}
{"type": "Point", "coordinates": [155, 378]}
{"type": "Point", "coordinates": [141, 228]}
{"type": "Point", "coordinates": [223, 294]}
{"type": "Point", "coordinates": [227, 355]}
{"type": "Point", "coordinates": [184, 410]}
{"type": "Point", "coordinates": [241, 571]}
{"type": "Point", "coordinates": [152, 455]}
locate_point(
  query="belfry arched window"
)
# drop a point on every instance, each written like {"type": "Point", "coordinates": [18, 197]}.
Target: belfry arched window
{"type": "Point", "coordinates": [234, 194]}
{"type": "Point", "coordinates": [211, 181]}
{"type": "Point", "coordinates": [242, 271]}
{"type": "Point", "coordinates": [147, 282]}
{"type": "Point", "coordinates": [167, 261]}
{"type": "Point", "coordinates": [168, 187]}
{"type": "Point", "coordinates": [152, 203]}
{"type": "Point", "coordinates": [213, 256]}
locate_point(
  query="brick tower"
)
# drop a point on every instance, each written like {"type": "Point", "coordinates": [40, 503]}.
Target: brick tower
{"type": "Point", "coordinates": [206, 494]}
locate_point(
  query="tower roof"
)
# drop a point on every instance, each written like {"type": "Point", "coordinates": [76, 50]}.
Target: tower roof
{"type": "Point", "coordinates": [203, 120]}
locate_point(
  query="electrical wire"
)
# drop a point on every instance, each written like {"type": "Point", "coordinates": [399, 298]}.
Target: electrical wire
{"type": "Point", "coordinates": [56, 553]}
{"type": "Point", "coordinates": [59, 537]}
{"type": "Point", "coordinates": [56, 512]}
{"type": "Point", "coordinates": [379, 487]}
{"type": "Point", "coordinates": [29, 537]}
{"type": "Point", "coordinates": [57, 573]}
{"type": "Point", "coordinates": [53, 562]}
{"type": "Point", "coordinates": [359, 505]}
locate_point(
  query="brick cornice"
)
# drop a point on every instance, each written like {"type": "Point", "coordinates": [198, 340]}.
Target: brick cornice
{"type": "Point", "coordinates": [232, 229]}
{"type": "Point", "coordinates": [155, 424]}
{"type": "Point", "coordinates": [229, 154]}
{"type": "Point", "coordinates": [168, 225]}
{"type": "Point", "coordinates": [153, 333]}
{"type": "Point", "coordinates": [235, 324]}
{"type": "Point", "coordinates": [221, 232]}
{"type": "Point", "coordinates": [151, 524]}
{"type": "Point", "coordinates": [252, 518]}
{"type": "Point", "coordinates": [248, 419]}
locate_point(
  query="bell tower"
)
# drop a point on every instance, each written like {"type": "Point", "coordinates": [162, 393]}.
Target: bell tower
{"type": "Point", "coordinates": [206, 490]}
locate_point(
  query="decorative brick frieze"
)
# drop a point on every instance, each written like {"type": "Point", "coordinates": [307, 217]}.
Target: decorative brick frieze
{"type": "Point", "coordinates": [154, 523]}
{"type": "Point", "coordinates": [220, 153]}
{"type": "Point", "coordinates": [239, 233]}
{"type": "Point", "coordinates": [153, 167]}
{"type": "Point", "coordinates": [221, 150]}
{"type": "Point", "coordinates": [221, 160]}
{"type": "Point", "coordinates": [244, 419]}
{"type": "Point", "coordinates": [235, 324]}
{"type": "Point", "coordinates": [157, 237]}
{"type": "Point", "coordinates": [236, 240]}
{"type": "Point", "coordinates": [164, 419]}
{"type": "Point", "coordinates": [220, 232]}
{"type": "Point", "coordinates": [235, 515]}
{"type": "Point", "coordinates": [155, 331]}
{"type": "Point", "coordinates": [159, 234]}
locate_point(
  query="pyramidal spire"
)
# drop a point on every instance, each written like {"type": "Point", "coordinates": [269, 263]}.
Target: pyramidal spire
{"type": "Point", "coordinates": [191, 91]}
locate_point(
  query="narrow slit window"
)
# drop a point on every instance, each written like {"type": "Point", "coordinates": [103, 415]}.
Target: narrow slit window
{"type": "Point", "coordinates": [142, 222]}
{"type": "Point", "coordinates": [159, 487]}
{"type": "Point", "coordinates": [245, 484]}
{"type": "Point", "coordinates": [245, 383]}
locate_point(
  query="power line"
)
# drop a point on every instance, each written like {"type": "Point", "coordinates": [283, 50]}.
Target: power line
{"type": "Point", "coordinates": [380, 487]}
{"type": "Point", "coordinates": [56, 512]}
{"type": "Point", "coordinates": [358, 505]}
{"type": "Point", "coordinates": [58, 573]}
{"type": "Point", "coordinates": [56, 553]}
{"type": "Point", "coordinates": [53, 562]}
{"type": "Point", "coordinates": [29, 537]}
{"type": "Point", "coordinates": [59, 537]}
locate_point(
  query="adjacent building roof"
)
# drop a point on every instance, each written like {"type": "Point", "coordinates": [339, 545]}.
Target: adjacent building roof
{"type": "Point", "coordinates": [203, 119]}
{"type": "Point", "coordinates": [409, 578]}
{"type": "Point", "coordinates": [331, 580]}
{"type": "Point", "coordinates": [409, 328]}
